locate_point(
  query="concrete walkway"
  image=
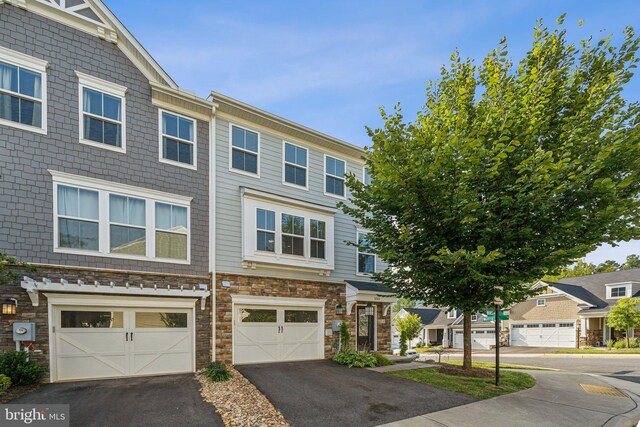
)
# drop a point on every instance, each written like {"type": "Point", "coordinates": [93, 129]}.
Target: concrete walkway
{"type": "Point", "coordinates": [558, 399]}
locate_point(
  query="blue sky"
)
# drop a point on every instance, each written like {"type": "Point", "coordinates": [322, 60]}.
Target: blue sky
{"type": "Point", "coordinates": [330, 65]}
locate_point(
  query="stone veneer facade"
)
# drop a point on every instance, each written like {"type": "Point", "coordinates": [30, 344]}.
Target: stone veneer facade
{"type": "Point", "coordinates": [334, 293]}
{"type": "Point", "coordinates": [26, 312]}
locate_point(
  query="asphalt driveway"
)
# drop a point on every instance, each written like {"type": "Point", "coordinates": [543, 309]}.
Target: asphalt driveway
{"type": "Point", "coordinates": [172, 400]}
{"type": "Point", "coordinates": [322, 393]}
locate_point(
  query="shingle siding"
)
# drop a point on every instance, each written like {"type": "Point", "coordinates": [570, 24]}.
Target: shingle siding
{"type": "Point", "coordinates": [228, 205]}
{"type": "Point", "coordinates": [26, 200]}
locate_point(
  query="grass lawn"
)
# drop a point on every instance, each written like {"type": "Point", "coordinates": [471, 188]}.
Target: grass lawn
{"type": "Point", "coordinates": [596, 351]}
{"type": "Point", "coordinates": [480, 388]}
{"type": "Point", "coordinates": [491, 365]}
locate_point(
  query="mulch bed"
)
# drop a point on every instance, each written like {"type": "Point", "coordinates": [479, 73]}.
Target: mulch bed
{"type": "Point", "coordinates": [16, 391]}
{"type": "Point", "coordinates": [459, 371]}
{"type": "Point", "coordinates": [240, 403]}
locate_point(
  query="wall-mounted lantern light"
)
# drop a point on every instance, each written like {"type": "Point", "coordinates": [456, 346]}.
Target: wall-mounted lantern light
{"type": "Point", "coordinates": [339, 309]}
{"type": "Point", "coordinates": [9, 306]}
{"type": "Point", "coordinates": [368, 310]}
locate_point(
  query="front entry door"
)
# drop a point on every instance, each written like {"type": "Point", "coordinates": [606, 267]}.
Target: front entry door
{"type": "Point", "coordinates": [365, 329]}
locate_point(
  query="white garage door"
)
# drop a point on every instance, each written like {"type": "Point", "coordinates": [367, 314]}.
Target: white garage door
{"type": "Point", "coordinates": [108, 342]}
{"type": "Point", "coordinates": [275, 334]}
{"type": "Point", "coordinates": [480, 339]}
{"type": "Point", "coordinates": [544, 335]}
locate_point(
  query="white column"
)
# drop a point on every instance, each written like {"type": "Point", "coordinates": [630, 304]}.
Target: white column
{"type": "Point", "coordinates": [445, 338]}
{"type": "Point", "coordinates": [583, 327]}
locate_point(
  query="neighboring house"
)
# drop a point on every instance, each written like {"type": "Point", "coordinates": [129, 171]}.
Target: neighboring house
{"type": "Point", "coordinates": [572, 312]}
{"type": "Point", "coordinates": [110, 188]}
{"type": "Point", "coordinates": [281, 243]}
{"type": "Point", "coordinates": [445, 327]}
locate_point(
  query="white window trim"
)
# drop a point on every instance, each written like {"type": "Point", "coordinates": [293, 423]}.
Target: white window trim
{"type": "Point", "coordinates": [37, 66]}
{"type": "Point", "coordinates": [627, 292]}
{"type": "Point", "coordinates": [544, 302]}
{"type": "Point", "coordinates": [375, 325]}
{"type": "Point", "coordinates": [104, 188]}
{"type": "Point", "coordinates": [113, 89]}
{"type": "Point", "coordinates": [231, 148]}
{"type": "Point", "coordinates": [249, 230]}
{"type": "Point", "coordinates": [324, 175]}
{"type": "Point", "coordinates": [317, 239]}
{"type": "Point", "coordinates": [285, 163]}
{"type": "Point", "coordinates": [194, 143]}
{"type": "Point", "coordinates": [358, 252]}
{"type": "Point", "coordinates": [452, 314]}
{"type": "Point", "coordinates": [474, 317]}
{"type": "Point", "coordinates": [305, 253]}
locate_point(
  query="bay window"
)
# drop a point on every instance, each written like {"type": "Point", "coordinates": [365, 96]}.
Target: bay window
{"type": "Point", "coordinates": [99, 218]}
{"type": "Point", "coordinates": [292, 235]}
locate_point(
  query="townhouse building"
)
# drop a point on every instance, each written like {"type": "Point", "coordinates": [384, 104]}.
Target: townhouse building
{"type": "Point", "coordinates": [167, 230]}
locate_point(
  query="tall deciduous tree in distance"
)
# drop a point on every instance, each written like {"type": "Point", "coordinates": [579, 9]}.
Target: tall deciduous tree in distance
{"type": "Point", "coordinates": [507, 173]}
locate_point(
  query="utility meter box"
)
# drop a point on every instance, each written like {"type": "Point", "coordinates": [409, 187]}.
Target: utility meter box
{"type": "Point", "coordinates": [335, 325]}
{"type": "Point", "coordinates": [24, 331]}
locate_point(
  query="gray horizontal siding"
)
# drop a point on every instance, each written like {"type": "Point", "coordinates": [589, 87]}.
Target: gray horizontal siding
{"type": "Point", "coordinates": [228, 206]}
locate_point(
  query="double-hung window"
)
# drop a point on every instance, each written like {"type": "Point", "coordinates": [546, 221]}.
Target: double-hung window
{"type": "Point", "coordinates": [366, 176]}
{"type": "Point", "coordinates": [318, 238]}
{"type": "Point", "coordinates": [177, 139]}
{"type": "Point", "coordinates": [102, 113]}
{"type": "Point", "coordinates": [171, 231]}
{"type": "Point", "coordinates": [295, 165]}
{"type": "Point", "coordinates": [244, 150]}
{"type": "Point", "coordinates": [99, 218]}
{"type": "Point", "coordinates": [618, 291]}
{"type": "Point", "coordinates": [292, 235]}
{"type": "Point", "coordinates": [366, 259]}
{"type": "Point", "coordinates": [22, 91]}
{"type": "Point", "coordinates": [266, 230]}
{"type": "Point", "coordinates": [334, 176]}
{"type": "Point", "coordinates": [78, 218]}
{"type": "Point", "coordinates": [127, 225]}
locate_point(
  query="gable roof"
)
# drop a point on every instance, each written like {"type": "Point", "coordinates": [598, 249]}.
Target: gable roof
{"type": "Point", "coordinates": [369, 286]}
{"type": "Point", "coordinates": [427, 315]}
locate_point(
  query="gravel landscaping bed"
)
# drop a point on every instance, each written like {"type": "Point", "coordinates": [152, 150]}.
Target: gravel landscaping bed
{"type": "Point", "coordinates": [239, 402]}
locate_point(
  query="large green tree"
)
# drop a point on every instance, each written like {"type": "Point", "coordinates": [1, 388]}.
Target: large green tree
{"type": "Point", "coordinates": [508, 172]}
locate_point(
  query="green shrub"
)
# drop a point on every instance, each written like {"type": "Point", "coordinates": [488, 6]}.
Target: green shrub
{"type": "Point", "coordinates": [620, 344]}
{"type": "Point", "coordinates": [382, 360]}
{"type": "Point", "coordinates": [610, 344]}
{"type": "Point", "coordinates": [217, 371]}
{"type": "Point", "coordinates": [420, 344]}
{"type": "Point", "coordinates": [22, 371]}
{"type": "Point", "coordinates": [354, 359]}
{"type": "Point", "coordinates": [634, 344]}
{"type": "Point", "coordinates": [5, 383]}
{"type": "Point", "coordinates": [403, 344]}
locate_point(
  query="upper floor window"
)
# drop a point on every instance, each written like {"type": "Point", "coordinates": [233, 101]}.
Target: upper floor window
{"type": "Point", "coordinates": [178, 140]}
{"type": "Point", "coordinates": [334, 171]}
{"type": "Point", "coordinates": [318, 239]}
{"type": "Point", "coordinates": [245, 150]}
{"type": "Point", "coordinates": [286, 233]}
{"type": "Point", "coordinates": [295, 165]}
{"type": "Point", "coordinates": [618, 291]}
{"type": "Point", "coordinates": [266, 230]}
{"type": "Point", "coordinates": [541, 302]}
{"type": "Point", "coordinates": [366, 176]}
{"type": "Point", "coordinates": [474, 317]}
{"type": "Point", "coordinates": [102, 113]}
{"type": "Point", "coordinates": [366, 259]}
{"type": "Point", "coordinates": [94, 217]}
{"type": "Point", "coordinates": [22, 91]}
{"type": "Point", "coordinates": [452, 314]}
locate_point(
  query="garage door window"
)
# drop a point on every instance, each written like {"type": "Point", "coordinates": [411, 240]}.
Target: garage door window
{"type": "Point", "coordinates": [160, 320]}
{"type": "Point", "coordinates": [518, 326]}
{"type": "Point", "coordinates": [91, 319]}
{"type": "Point", "coordinates": [566, 325]}
{"type": "Point", "coordinates": [301, 316]}
{"type": "Point", "coordinates": [548, 325]}
{"type": "Point", "coordinates": [258, 315]}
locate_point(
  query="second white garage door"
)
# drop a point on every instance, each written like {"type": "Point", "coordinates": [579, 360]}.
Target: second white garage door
{"type": "Point", "coordinates": [263, 333]}
{"type": "Point", "coordinates": [544, 335]}
{"type": "Point", "coordinates": [480, 339]}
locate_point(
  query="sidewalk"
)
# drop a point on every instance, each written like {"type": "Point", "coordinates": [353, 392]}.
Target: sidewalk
{"type": "Point", "coordinates": [525, 355]}
{"type": "Point", "coordinates": [558, 399]}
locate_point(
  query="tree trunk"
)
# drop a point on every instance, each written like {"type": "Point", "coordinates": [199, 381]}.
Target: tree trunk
{"type": "Point", "coordinates": [466, 364]}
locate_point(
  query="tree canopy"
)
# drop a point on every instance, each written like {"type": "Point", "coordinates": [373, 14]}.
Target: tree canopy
{"type": "Point", "coordinates": [583, 268]}
{"type": "Point", "coordinates": [508, 172]}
